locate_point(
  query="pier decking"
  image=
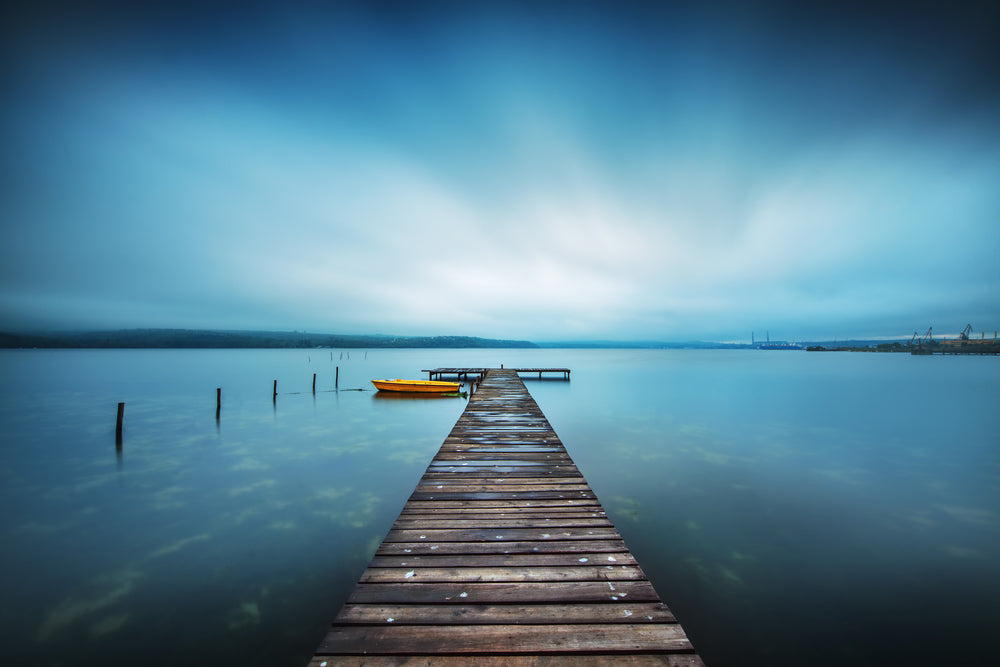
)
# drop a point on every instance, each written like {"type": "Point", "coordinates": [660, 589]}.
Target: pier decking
{"type": "Point", "coordinates": [461, 373]}
{"type": "Point", "coordinates": [503, 555]}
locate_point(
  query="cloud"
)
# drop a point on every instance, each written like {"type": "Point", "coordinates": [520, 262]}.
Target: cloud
{"type": "Point", "coordinates": [502, 180]}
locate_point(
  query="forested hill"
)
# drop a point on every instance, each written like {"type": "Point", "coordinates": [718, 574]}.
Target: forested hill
{"type": "Point", "coordinates": [186, 338]}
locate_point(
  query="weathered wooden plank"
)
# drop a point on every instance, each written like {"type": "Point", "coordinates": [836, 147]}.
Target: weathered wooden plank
{"type": "Point", "coordinates": [495, 420]}
{"type": "Point", "coordinates": [553, 660]}
{"type": "Point", "coordinates": [502, 495]}
{"type": "Point", "coordinates": [494, 461]}
{"type": "Point", "coordinates": [500, 547]}
{"type": "Point", "coordinates": [494, 514]}
{"type": "Point", "coordinates": [502, 510]}
{"type": "Point", "coordinates": [513, 434]}
{"type": "Point", "coordinates": [462, 477]}
{"type": "Point", "coordinates": [563, 592]}
{"type": "Point", "coordinates": [509, 534]}
{"type": "Point", "coordinates": [489, 473]}
{"type": "Point", "coordinates": [508, 503]}
{"type": "Point", "coordinates": [424, 575]}
{"type": "Point", "coordinates": [520, 429]}
{"type": "Point", "coordinates": [503, 483]}
{"type": "Point", "coordinates": [504, 469]}
{"type": "Point", "coordinates": [614, 612]}
{"type": "Point", "coordinates": [520, 445]}
{"type": "Point", "coordinates": [495, 523]}
{"type": "Point", "coordinates": [504, 560]}
{"type": "Point", "coordinates": [490, 425]}
{"type": "Point", "coordinates": [438, 489]}
{"type": "Point", "coordinates": [388, 639]}
{"type": "Point", "coordinates": [502, 437]}
{"type": "Point", "coordinates": [483, 458]}
{"type": "Point", "coordinates": [414, 519]}
{"type": "Point", "coordinates": [480, 437]}
{"type": "Point", "coordinates": [511, 492]}
{"type": "Point", "coordinates": [500, 441]}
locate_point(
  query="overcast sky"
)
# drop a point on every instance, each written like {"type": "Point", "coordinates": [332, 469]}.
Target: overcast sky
{"type": "Point", "coordinates": [542, 171]}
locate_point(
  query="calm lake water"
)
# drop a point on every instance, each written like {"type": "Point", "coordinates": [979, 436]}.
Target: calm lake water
{"type": "Point", "coordinates": [791, 508]}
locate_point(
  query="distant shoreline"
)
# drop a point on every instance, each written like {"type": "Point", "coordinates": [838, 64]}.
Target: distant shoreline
{"type": "Point", "coordinates": [223, 339]}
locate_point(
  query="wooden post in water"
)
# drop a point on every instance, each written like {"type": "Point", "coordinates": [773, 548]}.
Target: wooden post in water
{"type": "Point", "coordinates": [118, 424]}
{"type": "Point", "coordinates": [275, 397]}
{"type": "Point", "coordinates": [336, 378]}
{"type": "Point", "coordinates": [218, 402]}
{"type": "Point", "coordinates": [314, 383]}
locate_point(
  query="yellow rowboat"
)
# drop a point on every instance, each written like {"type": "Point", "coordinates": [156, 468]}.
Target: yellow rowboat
{"type": "Point", "coordinates": [417, 386]}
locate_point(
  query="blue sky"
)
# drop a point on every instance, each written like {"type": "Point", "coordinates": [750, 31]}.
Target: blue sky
{"type": "Point", "coordinates": [543, 171]}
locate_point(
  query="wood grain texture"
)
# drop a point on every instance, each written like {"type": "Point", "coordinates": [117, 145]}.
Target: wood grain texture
{"type": "Point", "coordinates": [438, 639]}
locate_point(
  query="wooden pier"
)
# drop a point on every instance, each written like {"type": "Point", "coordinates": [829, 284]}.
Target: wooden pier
{"type": "Point", "coordinates": [503, 556]}
{"type": "Point", "coordinates": [464, 373]}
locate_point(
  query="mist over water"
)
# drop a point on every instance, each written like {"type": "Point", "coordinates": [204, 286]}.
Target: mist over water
{"type": "Point", "coordinates": [791, 508]}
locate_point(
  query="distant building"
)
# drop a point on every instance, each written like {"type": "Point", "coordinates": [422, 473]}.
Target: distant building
{"type": "Point", "coordinates": [779, 345]}
{"type": "Point", "coordinates": [768, 344]}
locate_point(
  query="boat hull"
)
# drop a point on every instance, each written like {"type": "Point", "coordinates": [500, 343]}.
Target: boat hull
{"type": "Point", "coordinates": [417, 386]}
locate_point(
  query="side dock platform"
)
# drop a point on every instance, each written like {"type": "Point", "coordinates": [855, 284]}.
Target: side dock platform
{"type": "Point", "coordinates": [464, 373]}
{"type": "Point", "coordinates": [503, 555]}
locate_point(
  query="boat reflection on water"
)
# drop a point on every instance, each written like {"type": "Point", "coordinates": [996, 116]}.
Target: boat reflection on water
{"type": "Point", "coordinates": [400, 395]}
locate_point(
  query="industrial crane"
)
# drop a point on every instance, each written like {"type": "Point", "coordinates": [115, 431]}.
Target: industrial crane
{"type": "Point", "coordinates": [963, 344]}
{"type": "Point", "coordinates": [920, 342]}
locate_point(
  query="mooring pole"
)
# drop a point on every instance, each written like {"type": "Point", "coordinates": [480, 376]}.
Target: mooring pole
{"type": "Point", "coordinates": [336, 378]}
{"type": "Point", "coordinates": [314, 383]}
{"type": "Point", "coordinates": [118, 424]}
{"type": "Point", "coordinates": [218, 402]}
{"type": "Point", "coordinates": [275, 397]}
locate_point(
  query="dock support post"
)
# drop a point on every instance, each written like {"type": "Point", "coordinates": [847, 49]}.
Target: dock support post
{"type": "Point", "coordinates": [118, 424]}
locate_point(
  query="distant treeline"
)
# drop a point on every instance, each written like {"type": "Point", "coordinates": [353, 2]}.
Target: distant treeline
{"type": "Point", "coordinates": [185, 338]}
